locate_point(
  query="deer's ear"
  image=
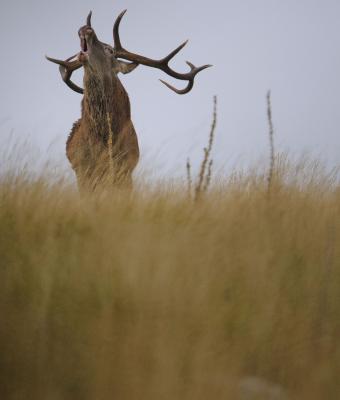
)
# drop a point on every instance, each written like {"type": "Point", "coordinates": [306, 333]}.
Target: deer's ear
{"type": "Point", "coordinates": [124, 67]}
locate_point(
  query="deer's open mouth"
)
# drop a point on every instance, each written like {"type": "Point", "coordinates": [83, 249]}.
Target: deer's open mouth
{"type": "Point", "coordinates": [83, 44]}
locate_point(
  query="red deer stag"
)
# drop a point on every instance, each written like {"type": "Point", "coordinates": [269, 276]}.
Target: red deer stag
{"type": "Point", "coordinates": [103, 146]}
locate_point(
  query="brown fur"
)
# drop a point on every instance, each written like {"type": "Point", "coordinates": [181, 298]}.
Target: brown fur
{"type": "Point", "coordinates": [87, 144]}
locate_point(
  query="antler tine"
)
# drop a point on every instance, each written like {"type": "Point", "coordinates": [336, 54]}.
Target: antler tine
{"type": "Point", "coordinates": [162, 64]}
{"type": "Point", "coordinates": [174, 52]}
{"type": "Point", "coordinates": [179, 91]}
{"type": "Point", "coordinates": [66, 68]}
{"type": "Point", "coordinates": [88, 19]}
{"type": "Point", "coordinates": [56, 61]}
{"type": "Point", "coordinates": [116, 38]}
{"type": "Point", "coordinates": [194, 71]}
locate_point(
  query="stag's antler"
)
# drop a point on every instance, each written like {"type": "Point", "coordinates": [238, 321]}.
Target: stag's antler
{"type": "Point", "coordinates": [66, 69]}
{"type": "Point", "coordinates": [162, 64]}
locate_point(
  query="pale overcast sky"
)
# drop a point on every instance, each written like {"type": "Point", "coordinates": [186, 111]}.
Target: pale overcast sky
{"type": "Point", "coordinates": [289, 46]}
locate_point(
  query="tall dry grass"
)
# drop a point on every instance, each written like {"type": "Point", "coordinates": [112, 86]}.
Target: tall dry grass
{"type": "Point", "coordinates": [147, 295]}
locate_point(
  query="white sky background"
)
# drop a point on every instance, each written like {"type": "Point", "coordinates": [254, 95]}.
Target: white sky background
{"type": "Point", "coordinates": [289, 46]}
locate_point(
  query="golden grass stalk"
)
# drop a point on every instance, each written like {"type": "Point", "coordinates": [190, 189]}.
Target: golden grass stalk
{"type": "Point", "coordinates": [204, 176]}
{"type": "Point", "coordinates": [271, 143]}
{"type": "Point", "coordinates": [110, 146]}
{"type": "Point", "coordinates": [208, 176]}
{"type": "Point", "coordinates": [189, 179]}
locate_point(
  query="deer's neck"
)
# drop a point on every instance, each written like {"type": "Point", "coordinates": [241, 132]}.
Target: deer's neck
{"type": "Point", "coordinates": [104, 100]}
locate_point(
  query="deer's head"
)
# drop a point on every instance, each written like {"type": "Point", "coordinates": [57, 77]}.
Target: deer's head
{"type": "Point", "coordinates": [98, 57]}
{"type": "Point", "coordinates": [103, 59]}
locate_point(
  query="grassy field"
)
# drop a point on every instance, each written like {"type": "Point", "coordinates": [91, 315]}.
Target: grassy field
{"type": "Point", "coordinates": [151, 295]}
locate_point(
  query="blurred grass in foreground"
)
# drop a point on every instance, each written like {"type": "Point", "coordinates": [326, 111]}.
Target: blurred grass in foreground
{"type": "Point", "coordinates": [148, 295]}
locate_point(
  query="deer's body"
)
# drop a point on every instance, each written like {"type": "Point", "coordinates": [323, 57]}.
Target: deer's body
{"type": "Point", "coordinates": [102, 147]}
{"type": "Point", "coordinates": [105, 112]}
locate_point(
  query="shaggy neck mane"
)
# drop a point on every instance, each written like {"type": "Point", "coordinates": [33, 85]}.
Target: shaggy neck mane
{"type": "Point", "coordinates": [104, 97]}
